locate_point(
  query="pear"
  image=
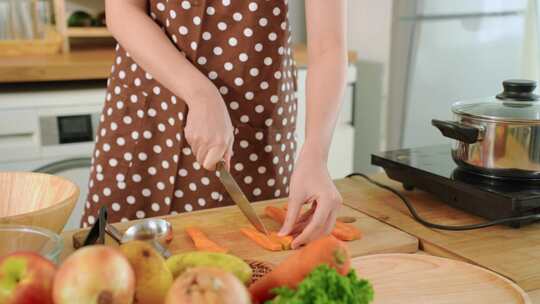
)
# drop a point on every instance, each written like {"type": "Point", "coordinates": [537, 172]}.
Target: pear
{"type": "Point", "coordinates": [152, 276]}
{"type": "Point", "coordinates": [179, 263]}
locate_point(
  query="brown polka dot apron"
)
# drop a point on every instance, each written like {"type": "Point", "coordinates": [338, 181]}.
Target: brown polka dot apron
{"type": "Point", "coordinates": [142, 165]}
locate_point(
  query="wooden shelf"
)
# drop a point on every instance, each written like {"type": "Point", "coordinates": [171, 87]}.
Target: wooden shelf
{"type": "Point", "coordinates": [88, 32]}
{"type": "Point", "coordinates": [87, 64]}
{"type": "Point", "coordinates": [75, 65]}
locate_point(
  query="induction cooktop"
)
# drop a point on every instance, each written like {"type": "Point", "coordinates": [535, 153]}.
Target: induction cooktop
{"type": "Point", "coordinates": [432, 169]}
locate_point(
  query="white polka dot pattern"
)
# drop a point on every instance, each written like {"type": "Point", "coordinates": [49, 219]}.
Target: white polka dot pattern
{"type": "Point", "coordinates": [143, 167]}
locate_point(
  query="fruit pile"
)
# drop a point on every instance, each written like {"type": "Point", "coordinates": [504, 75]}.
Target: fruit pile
{"type": "Point", "coordinates": [133, 273]}
{"type": "Point", "coordinates": [136, 273]}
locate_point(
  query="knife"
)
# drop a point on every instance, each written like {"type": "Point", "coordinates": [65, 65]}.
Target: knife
{"type": "Point", "coordinates": [239, 197]}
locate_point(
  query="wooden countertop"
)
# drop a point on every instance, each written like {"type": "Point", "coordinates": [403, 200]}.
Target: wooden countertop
{"type": "Point", "coordinates": [223, 225]}
{"type": "Point", "coordinates": [89, 64]}
{"type": "Point", "coordinates": [510, 252]}
{"type": "Point", "coordinates": [513, 253]}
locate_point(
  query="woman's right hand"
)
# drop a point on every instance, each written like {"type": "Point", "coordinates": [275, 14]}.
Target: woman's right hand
{"type": "Point", "coordinates": [209, 130]}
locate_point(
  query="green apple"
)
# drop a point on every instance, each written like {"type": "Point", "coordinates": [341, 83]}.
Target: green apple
{"type": "Point", "coordinates": [26, 277]}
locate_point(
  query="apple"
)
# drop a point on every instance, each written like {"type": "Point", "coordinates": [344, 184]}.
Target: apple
{"type": "Point", "coordinates": [95, 274]}
{"type": "Point", "coordinates": [26, 277]}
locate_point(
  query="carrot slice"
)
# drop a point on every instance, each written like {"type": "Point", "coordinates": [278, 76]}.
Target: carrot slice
{"type": "Point", "coordinates": [342, 231]}
{"type": "Point", "coordinates": [275, 213]}
{"type": "Point", "coordinates": [202, 242]}
{"type": "Point", "coordinates": [262, 239]}
{"type": "Point", "coordinates": [351, 233]}
{"type": "Point", "coordinates": [285, 241]}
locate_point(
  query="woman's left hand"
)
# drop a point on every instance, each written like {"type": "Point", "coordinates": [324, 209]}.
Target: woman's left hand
{"type": "Point", "coordinates": [311, 183]}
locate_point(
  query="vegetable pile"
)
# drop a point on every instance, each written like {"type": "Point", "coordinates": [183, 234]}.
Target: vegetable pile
{"type": "Point", "coordinates": [327, 250]}
{"type": "Point", "coordinates": [326, 285]}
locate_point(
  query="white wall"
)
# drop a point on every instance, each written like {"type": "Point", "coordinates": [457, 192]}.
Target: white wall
{"type": "Point", "coordinates": [297, 19]}
{"type": "Point", "coordinates": [370, 27]}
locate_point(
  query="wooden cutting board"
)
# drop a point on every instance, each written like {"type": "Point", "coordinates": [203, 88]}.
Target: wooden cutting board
{"type": "Point", "coordinates": [419, 278]}
{"type": "Point", "coordinates": [222, 226]}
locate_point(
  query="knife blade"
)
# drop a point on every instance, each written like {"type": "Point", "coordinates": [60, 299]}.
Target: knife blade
{"type": "Point", "coordinates": [239, 197]}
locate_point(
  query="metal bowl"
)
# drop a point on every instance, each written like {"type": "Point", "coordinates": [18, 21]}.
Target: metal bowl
{"type": "Point", "coordinates": [28, 238]}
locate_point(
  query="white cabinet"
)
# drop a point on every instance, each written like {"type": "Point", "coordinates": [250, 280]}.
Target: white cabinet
{"type": "Point", "coordinates": [340, 162]}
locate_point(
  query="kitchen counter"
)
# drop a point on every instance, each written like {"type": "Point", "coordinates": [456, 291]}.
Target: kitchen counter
{"type": "Point", "coordinates": [223, 225]}
{"type": "Point", "coordinates": [513, 253]}
{"type": "Point", "coordinates": [87, 64]}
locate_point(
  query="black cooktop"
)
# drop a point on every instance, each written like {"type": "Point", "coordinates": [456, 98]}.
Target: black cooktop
{"type": "Point", "coordinates": [432, 169]}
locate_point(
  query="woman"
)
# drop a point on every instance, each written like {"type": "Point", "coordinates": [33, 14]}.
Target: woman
{"type": "Point", "coordinates": [200, 81]}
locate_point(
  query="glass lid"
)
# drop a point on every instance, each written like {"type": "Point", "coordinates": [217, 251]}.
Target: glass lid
{"type": "Point", "coordinates": [516, 103]}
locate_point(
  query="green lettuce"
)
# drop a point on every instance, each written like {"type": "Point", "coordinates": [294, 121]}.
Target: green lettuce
{"type": "Point", "coordinates": [325, 285]}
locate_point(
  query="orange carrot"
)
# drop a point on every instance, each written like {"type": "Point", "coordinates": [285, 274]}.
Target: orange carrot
{"type": "Point", "coordinates": [275, 213]}
{"type": "Point", "coordinates": [262, 239]}
{"type": "Point", "coordinates": [285, 241]}
{"type": "Point", "coordinates": [202, 242]}
{"type": "Point", "coordinates": [342, 231]}
{"type": "Point", "coordinates": [327, 250]}
{"type": "Point", "coordinates": [348, 232]}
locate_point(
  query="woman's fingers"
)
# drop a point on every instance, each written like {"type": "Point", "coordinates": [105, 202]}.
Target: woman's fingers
{"type": "Point", "coordinates": [331, 223]}
{"type": "Point", "coordinates": [200, 153]}
{"type": "Point", "coordinates": [315, 226]}
{"type": "Point", "coordinates": [215, 154]}
{"type": "Point", "coordinates": [295, 206]}
{"type": "Point", "coordinates": [228, 155]}
{"type": "Point", "coordinates": [308, 214]}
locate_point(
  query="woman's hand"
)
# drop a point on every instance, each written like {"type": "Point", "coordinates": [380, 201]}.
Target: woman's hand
{"type": "Point", "coordinates": [209, 130]}
{"type": "Point", "coordinates": [311, 183]}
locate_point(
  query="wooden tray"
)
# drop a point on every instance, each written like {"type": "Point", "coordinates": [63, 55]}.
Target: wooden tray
{"type": "Point", "coordinates": [222, 226]}
{"type": "Point", "coordinates": [419, 278]}
{"type": "Point", "coordinates": [50, 45]}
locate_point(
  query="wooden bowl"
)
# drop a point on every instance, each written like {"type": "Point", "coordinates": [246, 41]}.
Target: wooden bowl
{"type": "Point", "coordinates": [36, 199]}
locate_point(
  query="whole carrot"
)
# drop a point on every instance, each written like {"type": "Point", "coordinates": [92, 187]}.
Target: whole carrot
{"type": "Point", "coordinates": [327, 250]}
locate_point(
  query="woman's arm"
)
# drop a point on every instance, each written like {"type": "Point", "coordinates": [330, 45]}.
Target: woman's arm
{"type": "Point", "coordinates": [130, 24]}
{"type": "Point", "coordinates": [326, 77]}
{"type": "Point", "coordinates": [325, 84]}
{"type": "Point", "coordinates": [150, 47]}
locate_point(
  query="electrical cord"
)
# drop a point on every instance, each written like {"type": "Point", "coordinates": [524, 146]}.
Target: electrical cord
{"type": "Point", "coordinates": [422, 221]}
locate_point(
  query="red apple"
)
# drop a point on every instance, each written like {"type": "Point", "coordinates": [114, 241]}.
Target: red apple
{"type": "Point", "coordinates": [26, 277]}
{"type": "Point", "coordinates": [95, 274]}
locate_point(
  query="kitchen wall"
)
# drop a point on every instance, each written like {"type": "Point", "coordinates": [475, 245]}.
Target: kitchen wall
{"type": "Point", "coordinates": [370, 26]}
{"type": "Point", "coordinates": [369, 34]}
{"type": "Point", "coordinates": [297, 19]}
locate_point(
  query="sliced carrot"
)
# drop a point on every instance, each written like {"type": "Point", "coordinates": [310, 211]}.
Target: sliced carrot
{"type": "Point", "coordinates": [285, 241]}
{"type": "Point", "coordinates": [275, 213]}
{"type": "Point", "coordinates": [202, 242]}
{"type": "Point", "coordinates": [352, 232]}
{"type": "Point", "coordinates": [262, 239]}
{"type": "Point", "coordinates": [342, 234]}
{"type": "Point", "coordinates": [342, 231]}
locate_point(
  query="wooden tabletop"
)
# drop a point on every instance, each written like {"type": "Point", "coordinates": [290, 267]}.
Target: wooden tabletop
{"type": "Point", "coordinates": [223, 226]}
{"type": "Point", "coordinates": [513, 253]}
{"type": "Point", "coordinates": [81, 64]}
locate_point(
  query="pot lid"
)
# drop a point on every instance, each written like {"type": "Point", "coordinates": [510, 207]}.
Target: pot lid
{"type": "Point", "coordinates": [516, 103]}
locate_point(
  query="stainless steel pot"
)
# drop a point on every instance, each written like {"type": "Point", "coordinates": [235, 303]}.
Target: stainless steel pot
{"type": "Point", "coordinates": [498, 137]}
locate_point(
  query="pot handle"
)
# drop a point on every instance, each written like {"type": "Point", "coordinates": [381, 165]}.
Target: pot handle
{"type": "Point", "coordinates": [457, 131]}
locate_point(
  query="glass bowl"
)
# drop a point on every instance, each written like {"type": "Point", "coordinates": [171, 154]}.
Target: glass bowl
{"type": "Point", "coordinates": [28, 238]}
